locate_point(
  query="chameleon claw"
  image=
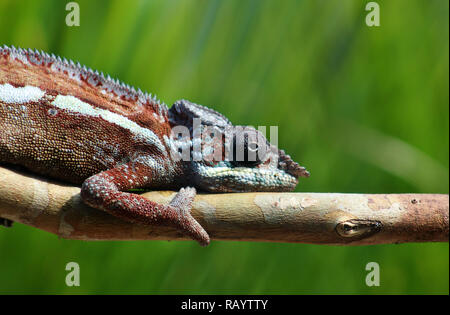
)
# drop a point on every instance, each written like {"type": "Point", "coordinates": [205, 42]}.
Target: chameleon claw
{"type": "Point", "coordinates": [184, 198]}
{"type": "Point", "coordinates": [182, 204]}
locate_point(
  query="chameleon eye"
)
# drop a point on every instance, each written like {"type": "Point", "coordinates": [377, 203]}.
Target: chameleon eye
{"type": "Point", "coordinates": [253, 146]}
{"type": "Point", "coordinates": [245, 150]}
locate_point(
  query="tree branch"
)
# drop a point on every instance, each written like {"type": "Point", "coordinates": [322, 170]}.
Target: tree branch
{"type": "Point", "coordinates": [319, 218]}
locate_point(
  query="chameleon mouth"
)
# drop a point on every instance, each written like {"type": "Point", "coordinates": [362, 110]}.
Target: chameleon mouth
{"type": "Point", "coordinates": [286, 164]}
{"type": "Point", "coordinates": [244, 179]}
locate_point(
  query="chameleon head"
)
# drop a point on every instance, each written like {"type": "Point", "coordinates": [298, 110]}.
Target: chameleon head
{"type": "Point", "coordinates": [228, 158]}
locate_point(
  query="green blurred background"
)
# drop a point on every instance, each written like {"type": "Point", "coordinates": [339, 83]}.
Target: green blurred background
{"type": "Point", "coordinates": [365, 109]}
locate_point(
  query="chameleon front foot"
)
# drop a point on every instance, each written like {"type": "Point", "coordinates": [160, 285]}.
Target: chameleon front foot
{"type": "Point", "coordinates": [6, 222]}
{"type": "Point", "coordinates": [104, 191]}
{"type": "Point", "coordinates": [182, 205]}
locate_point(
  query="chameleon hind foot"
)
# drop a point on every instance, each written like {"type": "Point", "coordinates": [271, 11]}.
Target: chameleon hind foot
{"type": "Point", "coordinates": [182, 204]}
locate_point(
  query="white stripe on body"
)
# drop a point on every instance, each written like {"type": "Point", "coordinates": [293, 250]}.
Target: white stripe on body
{"type": "Point", "coordinates": [20, 95]}
{"type": "Point", "coordinates": [73, 104]}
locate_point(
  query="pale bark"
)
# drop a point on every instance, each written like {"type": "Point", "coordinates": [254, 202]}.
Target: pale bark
{"type": "Point", "coordinates": [319, 218]}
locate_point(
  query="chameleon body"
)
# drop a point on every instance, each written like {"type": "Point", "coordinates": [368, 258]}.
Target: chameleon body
{"type": "Point", "coordinates": [67, 122]}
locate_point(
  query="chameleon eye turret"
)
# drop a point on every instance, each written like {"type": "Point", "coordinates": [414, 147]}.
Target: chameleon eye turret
{"type": "Point", "coordinates": [249, 147]}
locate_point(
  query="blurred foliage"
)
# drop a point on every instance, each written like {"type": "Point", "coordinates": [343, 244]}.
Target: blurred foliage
{"type": "Point", "coordinates": [365, 109]}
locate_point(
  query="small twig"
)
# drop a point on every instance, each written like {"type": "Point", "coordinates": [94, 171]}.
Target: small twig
{"type": "Point", "coordinates": [319, 218]}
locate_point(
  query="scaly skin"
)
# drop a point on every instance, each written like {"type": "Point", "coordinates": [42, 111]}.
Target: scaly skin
{"type": "Point", "coordinates": [64, 121]}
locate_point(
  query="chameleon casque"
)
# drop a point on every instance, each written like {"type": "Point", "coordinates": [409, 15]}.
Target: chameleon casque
{"type": "Point", "coordinates": [67, 122]}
